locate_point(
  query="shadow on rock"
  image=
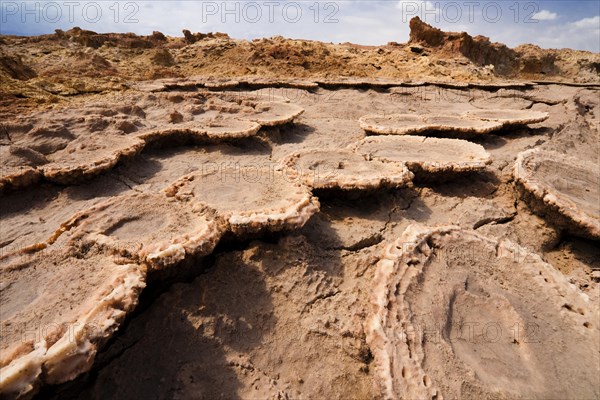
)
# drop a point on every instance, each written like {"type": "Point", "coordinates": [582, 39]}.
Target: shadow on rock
{"type": "Point", "coordinates": [175, 348]}
{"type": "Point", "coordinates": [472, 184]}
{"type": "Point", "coordinates": [290, 133]}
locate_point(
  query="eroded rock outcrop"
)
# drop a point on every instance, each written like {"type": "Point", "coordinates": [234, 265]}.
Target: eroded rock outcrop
{"type": "Point", "coordinates": [15, 68]}
{"type": "Point", "coordinates": [478, 49]}
{"type": "Point", "coordinates": [563, 189]}
{"type": "Point", "coordinates": [455, 314]}
{"type": "Point", "coordinates": [525, 61]}
{"type": "Point", "coordinates": [92, 62]}
{"type": "Point", "coordinates": [95, 40]}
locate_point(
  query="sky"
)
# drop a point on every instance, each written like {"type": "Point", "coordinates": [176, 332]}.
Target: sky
{"type": "Point", "coordinates": [549, 24]}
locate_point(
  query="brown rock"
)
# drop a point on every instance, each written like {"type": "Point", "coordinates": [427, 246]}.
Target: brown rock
{"type": "Point", "coordinates": [478, 49]}
{"type": "Point", "coordinates": [175, 117]}
{"type": "Point", "coordinates": [163, 57]}
{"type": "Point", "coordinates": [15, 68]}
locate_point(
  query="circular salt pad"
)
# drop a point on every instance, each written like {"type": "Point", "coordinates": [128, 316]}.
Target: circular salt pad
{"type": "Point", "coordinates": [251, 198]}
{"type": "Point", "coordinates": [273, 113]}
{"type": "Point", "coordinates": [453, 123]}
{"type": "Point", "coordinates": [563, 188]}
{"type": "Point", "coordinates": [343, 169]}
{"type": "Point", "coordinates": [457, 315]}
{"type": "Point", "coordinates": [201, 115]}
{"type": "Point", "coordinates": [220, 128]}
{"type": "Point", "coordinates": [264, 109]}
{"type": "Point", "coordinates": [406, 124]}
{"type": "Point", "coordinates": [149, 227]}
{"type": "Point", "coordinates": [393, 124]}
{"type": "Point", "coordinates": [220, 83]}
{"type": "Point", "coordinates": [509, 117]}
{"type": "Point", "coordinates": [223, 115]}
{"type": "Point", "coordinates": [90, 155]}
{"type": "Point", "coordinates": [214, 129]}
{"type": "Point", "coordinates": [69, 144]}
{"type": "Point", "coordinates": [431, 155]}
{"type": "Point", "coordinates": [57, 308]}
{"type": "Point", "coordinates": [74, 144]}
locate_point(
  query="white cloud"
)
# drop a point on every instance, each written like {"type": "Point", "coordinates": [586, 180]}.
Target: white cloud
{"type": "Point", "coordinates": [583, 34]}
{"type": "Point", "coordinates": [587, 23]}
{"type": "Point", "coordinates": [545, 15]}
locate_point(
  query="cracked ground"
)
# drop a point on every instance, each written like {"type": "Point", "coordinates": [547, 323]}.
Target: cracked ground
{"type": "Point", "coordinates": [281, 315]}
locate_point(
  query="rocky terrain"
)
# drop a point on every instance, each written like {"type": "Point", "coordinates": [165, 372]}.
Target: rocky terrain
{"type": "Point", "coordinates": [202, 217]}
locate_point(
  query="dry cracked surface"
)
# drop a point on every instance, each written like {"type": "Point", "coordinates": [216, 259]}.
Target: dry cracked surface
{"type": "Point", "coordinates": [270, 277]}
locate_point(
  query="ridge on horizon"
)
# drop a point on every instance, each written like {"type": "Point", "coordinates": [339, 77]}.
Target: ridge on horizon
{"type": "Point", "coordinates": [548, 24]}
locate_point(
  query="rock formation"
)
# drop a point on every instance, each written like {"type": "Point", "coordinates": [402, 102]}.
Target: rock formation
{"type": "Point", "coordinates": [478, 49]}
{"type": "Point", "coordinates": [446, 296]}
{"type": "Point", "coordinates": [562, 189]}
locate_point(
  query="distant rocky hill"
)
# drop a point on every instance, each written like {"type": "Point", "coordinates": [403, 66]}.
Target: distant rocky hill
{"type": "Point", "coordinates": [526, 61]}
{"type": "Point", "coordinates": [77, 61]}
